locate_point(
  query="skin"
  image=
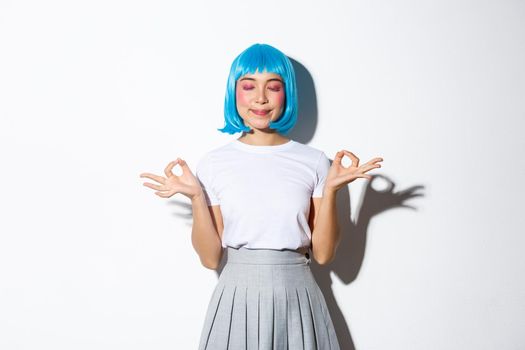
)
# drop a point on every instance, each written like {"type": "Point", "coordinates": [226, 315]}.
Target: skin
{"type": "Point", "coordinates": [256, 92]}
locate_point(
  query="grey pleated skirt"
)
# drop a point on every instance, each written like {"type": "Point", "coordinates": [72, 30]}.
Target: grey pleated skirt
{"type": "Point", "coordinates": [267, 299]}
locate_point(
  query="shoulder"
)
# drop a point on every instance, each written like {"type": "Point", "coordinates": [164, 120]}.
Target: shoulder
{"type": "Point", "coordinates": [315, 157]}
{"type": "Point", "coordinates": [215, 152]}
{"type": "Point", "coordinates": [310, 152]}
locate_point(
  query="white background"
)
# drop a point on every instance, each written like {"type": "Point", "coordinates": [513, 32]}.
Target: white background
{"type": "Point", "coordinates": [94, 93]}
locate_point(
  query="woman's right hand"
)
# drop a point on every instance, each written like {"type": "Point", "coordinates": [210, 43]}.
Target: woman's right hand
{"type": "Point", "coordinates": [187, 183]}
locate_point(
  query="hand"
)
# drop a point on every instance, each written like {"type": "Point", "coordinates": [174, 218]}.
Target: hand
{"type": "Point", "coordinates": [187, 183]}
{"type": "Point", "coordinates": [339, 176]}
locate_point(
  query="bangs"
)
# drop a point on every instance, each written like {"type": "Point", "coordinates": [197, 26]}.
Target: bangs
{"type": "Point", "coordinates": [260, 59]}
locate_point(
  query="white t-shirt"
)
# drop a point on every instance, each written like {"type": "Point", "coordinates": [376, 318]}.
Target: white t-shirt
{"type": "Point", "coordinates": [264, 192]}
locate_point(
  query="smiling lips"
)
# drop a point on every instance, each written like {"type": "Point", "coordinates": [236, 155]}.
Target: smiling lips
{"type": "Point", "coordinates": [260, 112]}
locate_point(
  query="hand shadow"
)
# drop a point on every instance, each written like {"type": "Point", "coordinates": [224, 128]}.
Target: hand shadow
{"type": "Point", "coordinates": [351, 250]}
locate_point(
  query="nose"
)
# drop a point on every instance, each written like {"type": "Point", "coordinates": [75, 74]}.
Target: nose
{"type": "Point", "coordinates": [261, 97]}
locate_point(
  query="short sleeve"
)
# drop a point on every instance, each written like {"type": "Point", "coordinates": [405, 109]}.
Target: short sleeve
{"type": "Point", "coordinates": [204, 175]}
{"type": "Point", "coordinates": [321, 172]}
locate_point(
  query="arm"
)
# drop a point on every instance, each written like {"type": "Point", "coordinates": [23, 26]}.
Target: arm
{"type": "Point", "coordinates": [204, 234]}
{"type": "Point", "coordinates": [325, 234]}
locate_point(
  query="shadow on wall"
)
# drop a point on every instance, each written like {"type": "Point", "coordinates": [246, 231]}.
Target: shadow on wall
{"type": "Point", "coordinates": [351, 250]}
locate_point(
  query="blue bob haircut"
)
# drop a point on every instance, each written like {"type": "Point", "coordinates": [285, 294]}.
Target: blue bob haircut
{"type": "Point", "coordinates": [262, 58]}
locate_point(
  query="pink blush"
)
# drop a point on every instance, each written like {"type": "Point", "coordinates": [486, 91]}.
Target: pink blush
{"type": "Point", "coordinates": [241, 97]}
{"type": "Point", "coordinates": [280, 97]}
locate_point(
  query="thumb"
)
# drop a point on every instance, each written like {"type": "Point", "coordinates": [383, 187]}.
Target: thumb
{"type": "Point", "coordinates": [338, 157]}
{"type": "Point", "coordinates": [182, 163]}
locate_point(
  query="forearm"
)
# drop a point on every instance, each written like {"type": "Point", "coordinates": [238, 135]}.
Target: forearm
{"type": "Point", "coordinates": [326, 235]}
{"type": "Point", "coordinates": [204, 236]}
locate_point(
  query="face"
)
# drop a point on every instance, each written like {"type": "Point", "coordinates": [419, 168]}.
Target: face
{"type": "Point", "coordinates": [260, 99]}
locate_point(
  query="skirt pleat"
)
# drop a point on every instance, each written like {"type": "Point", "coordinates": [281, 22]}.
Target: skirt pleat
{"type": "Point", "coordinates": [252, 318]}
{"type": "Point", "coordinates": [239, 318]}
{"type": "Point", "coordinates": [267, 300]}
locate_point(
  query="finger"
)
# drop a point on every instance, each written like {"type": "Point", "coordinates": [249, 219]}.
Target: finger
{"type": "Point", "coordinates": [338, 157]}
{"type": "Point", "coordinates": [183, 164]}
{"type": "Point", "coordinates": [164, 194]}
{"type": "Point", "coordinates": [152, 186]}
{"type": "Point", "coordinates": [354, 176]}
{"type": "Point", "coordinates": [170, 166]}
{"type": "Point", "coordinates": [364, 168]}
{"type": "Point", "coordinates": [157, 178]}
{"type": "Point", "coordinates": [355, 160]}
{"type": "Point", "coordinates": [375, 160]}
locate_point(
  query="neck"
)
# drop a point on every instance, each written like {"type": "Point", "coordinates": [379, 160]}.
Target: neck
{"type": "Point", "coordinates": [263, 139]}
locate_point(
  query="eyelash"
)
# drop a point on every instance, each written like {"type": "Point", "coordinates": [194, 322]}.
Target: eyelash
{"type": "Point", "coordinates": [251, 88]}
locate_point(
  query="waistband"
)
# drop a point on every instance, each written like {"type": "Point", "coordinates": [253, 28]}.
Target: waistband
{"type": "Point", "coordinates": [244, 255]}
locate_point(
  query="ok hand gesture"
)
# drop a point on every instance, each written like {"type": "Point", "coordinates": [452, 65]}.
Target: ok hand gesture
{"type": "Point", "coordinates": [187, 183]}
{"type": "Point", "coordinates": [339, 176]}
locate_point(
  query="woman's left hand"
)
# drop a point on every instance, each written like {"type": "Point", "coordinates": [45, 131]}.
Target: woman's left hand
{"type": "Point", "coordinates": [339, 176]}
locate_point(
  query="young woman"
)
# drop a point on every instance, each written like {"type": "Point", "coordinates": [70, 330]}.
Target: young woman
{"type": "Point", "coordinates": [268, 203]}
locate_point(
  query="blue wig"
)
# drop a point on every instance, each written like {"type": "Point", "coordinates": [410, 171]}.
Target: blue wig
{"type": "Point", "coordinates": [262, 58]}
